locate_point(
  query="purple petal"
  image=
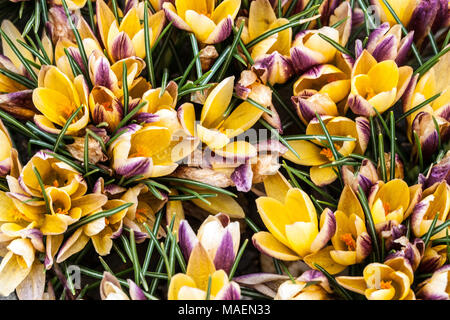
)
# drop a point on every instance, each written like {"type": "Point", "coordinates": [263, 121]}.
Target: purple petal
{"type": "Point", "coordinates": [363, 130]}
{"type": "Point", "coordinates": [304, 108]}
{"type": "Point", "coordinates": [221, 31]}
{"type": "Point", "coordinates": [242, 177]}
{"type": "Point", "coordinates": [359, 105]}
{"type": "Point", "coordinates": [134, 167]}
{"type": "Point", "coordinates": [122, 47]}
{"type": "Point", "coordinates": [231, 292]}
{"type": "Point", "coordinates": [326, 232]}
{"type": "Point", "coordinates": [376, 35]}
{"type": "Point", "coordinates": [301, 61]}
{"type": "Point", "coordinates": [404, 49]}
{"type": "Point", "coordinates": [225, 254]}
{"type": "Point", "coordinates": [146, 117]}
{"type": "Point", "coordinates": [258, 278]}
{"type": "Point", "coordinates": [186, 238]}
{"type": "Point", "coordinates": [363, 246]}
{"type": "Point", "coordinates": [135, 292]}
{"type": "Point", "coordinates": [386, 49]}
{"type": "Point", "coordinates": [102, 73]}
{"type": "Point", "coordinates": [423, 18]}
{"type": "Point", "coordinates": [19, 104]}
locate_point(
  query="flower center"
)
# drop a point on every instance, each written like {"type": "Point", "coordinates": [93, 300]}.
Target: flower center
{"type": "Point", "coordinates": [370, 93]}
{"type": "Point", "coordinates": [55, 183]}
{"type": "Point", "coordinates": [327, 153]}
{"type": "Point", "coordinates": [387, 208]}
{"type": "Point", "coordinates": [349, 241]}
{"type": "Point", "coordinates": [141, 215]}
{"type": "Point", "coordinates": [107, 106]}
{"type": "Point", "coordinates": [385, 284]}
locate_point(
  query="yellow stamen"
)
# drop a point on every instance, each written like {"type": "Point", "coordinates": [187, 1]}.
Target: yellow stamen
{"type": "Point", "coordinates": [349, 241]}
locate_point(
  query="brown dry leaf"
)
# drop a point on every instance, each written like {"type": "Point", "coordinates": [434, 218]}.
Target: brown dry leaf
{"type": "Point", "coordinates": [96, 154]}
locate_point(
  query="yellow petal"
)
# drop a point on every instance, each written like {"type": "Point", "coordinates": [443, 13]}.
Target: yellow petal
{"type": "Point", "coordinates": [222, 203]}
{"type": "Point", "coordinates": [149, 141]}
{"type": "Point", "coordinates": [276, 186]}
{"type": "Point", "coordinates": [349, 203]}
{"type": "Point", "coordinates": [355, 284]}
{"type": "Point", "coordinates": [237, 150]}
{"type": "Point", "coordinates": [322, 176]}
{"type": "Point", "coordinates": [269, 245]}
{"type": "Point", "coordinates": [200, 266]}
{"type": "Point", "coordinates": [345, 258]}
{"type": "Point", "coordinates": [241, 119]}
{"type": "Point", "coordinates": [261, 16]}
{"type": "Point", "coordinates": [176, 283]}
{"type": "Point", "coordinates": [384, 76]}
{"type": "Point", "coordinates": [300, 207]}
{"type": "Point", "coordinates": [11, 274]}
{"type": "Point", "coordinates": [213, 138]}
{"type": "Point", "coordinates": [395, 193]}
{"type": "Point", "coordinates": [130, 23]}
{"type": "Point", "coordinates": [300, 236]}
{"type": "Point", "coordinates": [226, 8]}
{"type": "Point", "coordinates": [200, 24]}
{"type": "Point", "coordinates": [309, 153]}
{"type": "Point", "coordinates": [273, 214]}
{"type": "Point", "coordinates": [216, 103]}
{"type": "Point", "coordinates": [323, 259]}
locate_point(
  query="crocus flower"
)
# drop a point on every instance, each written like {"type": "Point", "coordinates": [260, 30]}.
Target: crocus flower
{"type": "Point", "coordinates": [57, 98]}
{"type": "Point", "coordinates": [110, 289]}
{"type": "Point", "coordinates": [127, 39]}
{"type": "Point", "coordinates": [435, 288]}
{"type": "Point", "coordinates": [433, 258]}
{"type": "Point", "coordinates": [386, 43]}
{"type": "Point", "coordinates": [366, 176]}
{"type": "Point", "coordinates": [215, 128]}
{"type": "Point", "coordinates": [317, 154]}
{"type": "Point", "coordinates": [393, 201]}
{"type": "Point", "coordinates": [309, 49]}
{"type": "Point", "coordinates": [435, 81]}
{"type": "Point", "coordinates": [376, 85]}
{"type": "Point", "coordinates": [272, 54]}
{"type": "Point", "coordinates": [294, 229]}
{"type": "Point", "coordinates": [101, 232]}
{"type": "Point", "coordinates": [194, 284]}
{"type": "Point", "coordinates": [153, 150]}
{"type": "Point", "coordinates": [435, 201]}
{"type": "Point", "coordinates": [351, 242]}
{"type": "Point", "coordinates": [389, 281]}
{"type": "Point", "coordinates": [210, 24]}
{"type": "Point", "coordinates": [218, 236]}
{"type": "Point", "coordinates": [323, 89]}
{"type": "Point", "coordinates": [311, 285]}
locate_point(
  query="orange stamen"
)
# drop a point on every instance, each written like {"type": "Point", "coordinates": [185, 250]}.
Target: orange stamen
{"type": "Point", "coordinates": [55, 183]}
{"type": "Point", "coordinates": [349, 241]}
{"type": "Point", "coordinates": [385, 284]}
{"type": "Point", "coordinates": [140, 215]}
{"type": "Point", "coordinates": [108, 106]}
{"type": "Point", "coordinates": [327, 153]}
{"type": "Point", "coordinates": [387, 208]}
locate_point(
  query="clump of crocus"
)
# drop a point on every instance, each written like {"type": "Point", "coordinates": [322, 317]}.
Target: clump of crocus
{"type": "Point", "coordinates": [391, 280]}
{"type": "Point", "coordinates": [194, 284]}
{"type": "Point", "coordinates": [318, 154]}
{"type": "Point", "coordinates": [218, 236]}
{"type": "Point", "coordinates": [376, 85]}
{"type": "Point", "coordinates": [295, 232]}
{"type": "Point", "coordinates": [210, 24]}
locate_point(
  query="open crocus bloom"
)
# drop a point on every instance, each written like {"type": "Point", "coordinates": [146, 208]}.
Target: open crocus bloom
{"type": "Point", "coordinates": [65, 192]}
{"type": "Point", "coordinates": [366, 176]}
{"type": "Point", "coordinates": [194, 284]}
{"type": "Point", "coordinates": [309, 49]}
{"type": "Point", "coordinates": [105, 107]}
{"type": "Point", "coordinates": [272, 54]}
{"type": "Point", "coordinates": [435, 200]}
{"type": "Point", "coordinates": [110, 289]}
{"type": "Point", "coordinates": [209, 24]}
{"type": "Point", "coordinates": [389, 281]}
{"type": "Point", "coordinates": [101, 232]}
{"type": "Point", "coordinates": [311, 285]}
{"type": "Point", "coordinates": [436, 287]}
{"type": "Point", "coordinates": [152, 150]}
{"type": "Point", "coordinates": [351, 242]}
{"type": "Point", "coordinates": [317, 153]}
{"type": "Point", "coordinates": [215, 127]}
{"type": "Point", "coordinates": [376, 85]}
{"type": "Point", "coordinates": [57, 98]}
{"type": "Point", "coordinates": [393, 201]}
{"type": "Point", "coordinates": [127, 39]}
{"type": "Point", "coordinates": [218, 236]}
{"type": "Point", "coordinates": [294, 229]}
{"type": "Point", "coordinates": [322, 89]}
{"type": "Point", "coordinates": [144, 209]}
